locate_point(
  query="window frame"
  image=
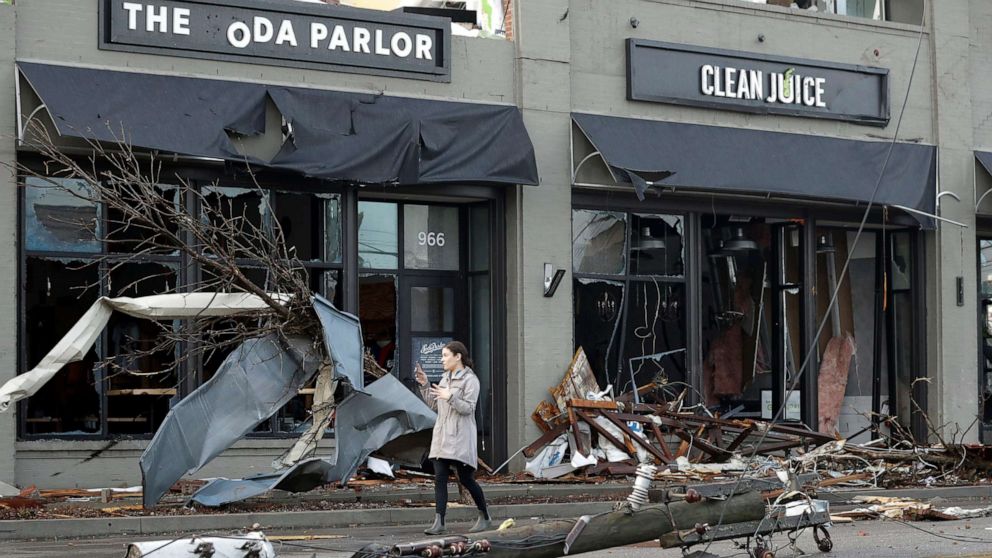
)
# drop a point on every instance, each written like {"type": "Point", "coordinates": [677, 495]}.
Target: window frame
{"type": "Point", "coordinates": [627, 278]}
{"type": "Point", "coordinates": [188, 272]}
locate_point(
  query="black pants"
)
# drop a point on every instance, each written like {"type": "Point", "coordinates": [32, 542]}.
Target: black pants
{"type": "Point", "coordinates": [466, 476]}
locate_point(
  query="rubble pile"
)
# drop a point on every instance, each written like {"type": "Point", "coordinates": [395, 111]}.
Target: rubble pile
{"type": "Point", "coordinates": [589, 434]}
{"type": "Point", "coordinates": [586, 431]}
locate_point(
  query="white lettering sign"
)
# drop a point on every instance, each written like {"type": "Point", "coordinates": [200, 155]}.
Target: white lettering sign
{"type": "Point", "coordinates": [784, 88]}
{"type": "Point", "coordinates": [295, 35]}
{"type": "Point", "coordinates": [431, 348]}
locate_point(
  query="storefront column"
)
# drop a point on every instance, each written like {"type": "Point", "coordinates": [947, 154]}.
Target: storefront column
{"type": "Point", "coordinates": [539, 329]}
{"type": "Point", "coordinates": [953, 396]}
{"type": "Point", "coordinates": [8, 237]}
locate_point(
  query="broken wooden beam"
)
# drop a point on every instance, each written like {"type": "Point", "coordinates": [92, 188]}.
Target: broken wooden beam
{"type": "Point", "coordinates": [545, 439]}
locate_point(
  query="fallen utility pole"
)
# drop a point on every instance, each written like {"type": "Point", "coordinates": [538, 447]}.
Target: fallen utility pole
{"type": "Point", "coordinates": [629, 524]}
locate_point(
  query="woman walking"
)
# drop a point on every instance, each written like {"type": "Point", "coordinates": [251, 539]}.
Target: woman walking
{"type": "Point", "coordinates": [453, 445]}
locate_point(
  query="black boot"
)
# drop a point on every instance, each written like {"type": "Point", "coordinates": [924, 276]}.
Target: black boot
{"type": "Point", "coordinates": [438, 527]}
{"type": "Point", "coordinates": [484, 523]}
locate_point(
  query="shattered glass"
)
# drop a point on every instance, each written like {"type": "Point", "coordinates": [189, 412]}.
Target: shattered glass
{"type": "Point", "coordinates": [69, 404]}
{"type": "Point", "coordinates": [57, 219]}
{"type": "Point", "coordinates": [598, 309]}
{"type": "Point", "coordinates": [658, 245]}
{"type": "Point", "coordinates": [655, 326]}
{"type": "Point", "coordinates": [598, 241]}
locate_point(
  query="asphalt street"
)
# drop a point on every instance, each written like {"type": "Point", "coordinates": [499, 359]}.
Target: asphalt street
{"type": "Point", "coordinates": [877, 539]}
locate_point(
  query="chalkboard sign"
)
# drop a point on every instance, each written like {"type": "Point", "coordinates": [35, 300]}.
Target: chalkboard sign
{"type": "Point", "coordinates": [427, 351]}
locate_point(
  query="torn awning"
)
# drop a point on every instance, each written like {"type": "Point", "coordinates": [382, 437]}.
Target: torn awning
{"type": "Point", "coordinates": [756, 161]}
{"type": "Point", "coordinates": [335, 135]}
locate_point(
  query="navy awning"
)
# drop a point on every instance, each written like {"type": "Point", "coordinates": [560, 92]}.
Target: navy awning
{"type": "Point", "coordinates": [754, 161]}
{"type": "Point", "coordinates": [335, 136]}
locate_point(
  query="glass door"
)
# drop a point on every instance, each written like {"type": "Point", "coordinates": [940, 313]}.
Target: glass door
{"type": "Point", "coordinates": [432, 314]}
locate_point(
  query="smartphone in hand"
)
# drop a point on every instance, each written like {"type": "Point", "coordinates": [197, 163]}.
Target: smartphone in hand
{"type": "Point", "coordinates": [419, 375]}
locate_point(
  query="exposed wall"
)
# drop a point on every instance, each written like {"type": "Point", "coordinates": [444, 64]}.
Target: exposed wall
{"type": "Point", "coordinates": [540, 328]}
{"type": "Point", "coordinates": [8, 234]}
{"type": "Point", "coordinates": [952, 390]}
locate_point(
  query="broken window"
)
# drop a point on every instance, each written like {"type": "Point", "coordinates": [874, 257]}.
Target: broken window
{"type": "Point", "coordinates": [127, 384]}
{"type": "Point", "coordinates": [657, 245]}
{"type": "Point", "coordinates": [245, 210]}
{"type": "Point", "coordinates": [630, 321]}
{"type": "Point", "coordinates": [655, 341]}
{"type": "Point", "coordinates": [124, 236]}
{"type": "Point", "coordinates": [598, 241]}
{"type": "Point", "coordinates": [59, 218]}
{"type": "Point", "coordinates": [377, 312]}
{"type": "Point", "coordinates": [868, 349]}
{"type": "Point", "coordinates": [598, 309]}
{"type": "Point", "coordinates": [58, 293]}
{"type": "Point", "coordinates": [985, 332]}
{"type": "Point", "coordinates": [736, 314]}
{"type": "Point", "coordinates": [140, 375]}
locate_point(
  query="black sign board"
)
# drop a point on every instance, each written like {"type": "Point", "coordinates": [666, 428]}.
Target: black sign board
{"type": "Point", "coordinates": [427, 351]}
{"type": "Point", "coordinates": [748, 82]}
{"type": "Point", "coordinates": [282, 33]}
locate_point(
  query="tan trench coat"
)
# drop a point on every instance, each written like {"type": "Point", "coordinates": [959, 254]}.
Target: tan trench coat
{"type": "Point", "coordinates": [455, 433]}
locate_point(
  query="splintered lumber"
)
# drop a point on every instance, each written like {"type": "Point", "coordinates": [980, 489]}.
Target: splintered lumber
{"type": "Point", "coordinates": [740, 438]}
{"type": "Point", "coordinates": [702, 445]}
{"type": "Point", "coordinates": [643, 442]}
{"type": "Point", "coordinates": [620, 528]}
{"type": "Point", "coordinates": [573, 423]}
{"type": "Point", "coordinates": [601, 431]}
{"type": "Point", "coordinates": [545, 439]}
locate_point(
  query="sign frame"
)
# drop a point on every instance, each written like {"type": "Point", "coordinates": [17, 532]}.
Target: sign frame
{"type": "Point", "coordinates": [639, 90]}
{"type": "Point", "coordinates": [113, 36]}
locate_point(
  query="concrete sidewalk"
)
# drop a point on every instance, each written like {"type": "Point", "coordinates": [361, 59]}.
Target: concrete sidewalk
{"type": "Point", "coordinates": [389, 516]}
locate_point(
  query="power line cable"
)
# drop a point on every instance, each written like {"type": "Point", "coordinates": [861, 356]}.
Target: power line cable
{"type": "Point", "coordinates": [843, 273]}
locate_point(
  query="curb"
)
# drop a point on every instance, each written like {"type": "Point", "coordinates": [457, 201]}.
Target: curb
{"type": "Point", "coordinates": [49, 529]}
{"type": "Point", "coordinates": [156, 525]}
{"type": "Point", "coordinates": [918, 493]}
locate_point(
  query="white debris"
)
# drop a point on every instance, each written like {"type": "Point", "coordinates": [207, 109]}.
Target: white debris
{"type": "Point", "coordinates": [248, 545]}
{"type": "Point", "coordinates": [380, 466]}
{"type": "Point", "coordinates": [8, 490]}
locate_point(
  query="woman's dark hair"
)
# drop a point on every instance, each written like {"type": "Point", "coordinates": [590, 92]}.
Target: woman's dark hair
{"type": "Point", "coordinates": [458, 348]}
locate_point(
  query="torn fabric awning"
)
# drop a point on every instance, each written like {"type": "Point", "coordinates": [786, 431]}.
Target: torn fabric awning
{"type": "Point", "coordinates": [252, 384]}
{"type": "Point", "coordinates": [334, 135]}
{"type": "Point", "coordinates": [734, 160]}
{"type": "Point", "coordinates": [365, 422]}
{"type": "Point", "coordinates": [77, 342]}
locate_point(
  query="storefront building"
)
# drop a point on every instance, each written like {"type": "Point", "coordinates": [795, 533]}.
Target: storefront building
{"type": "Point", "coordinates": [704, 171]}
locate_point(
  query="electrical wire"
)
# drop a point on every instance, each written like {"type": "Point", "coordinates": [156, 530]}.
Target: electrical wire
{"type": "Point", "coordinates": [844, 270]}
